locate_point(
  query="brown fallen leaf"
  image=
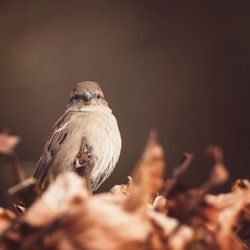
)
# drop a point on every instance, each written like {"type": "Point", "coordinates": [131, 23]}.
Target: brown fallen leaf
{"type": "Point", "coordinates": [148, 175]}
{"type": "Point", "coordinates": [160, 204]}
{"type": "Point", "coordinates": [122, 190]}
{"type": "Point", "coordinates": [181, 238]}
{"type": "Point", "coordinates": [226, 214]}
{"type": "Point", "coordinates": [8, 143]}
{"type": "Point", "coordinates": [6, 218]}
{"type": "Point", "coordinates": [219, 175]}
{"type": "Point", "coordinates": [66, 192]}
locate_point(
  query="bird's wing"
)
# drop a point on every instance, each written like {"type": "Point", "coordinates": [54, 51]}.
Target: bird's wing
{"type": "Point", "coordinates": [59, 134]}
{"type": "Point", "coordinates": [85, 157]}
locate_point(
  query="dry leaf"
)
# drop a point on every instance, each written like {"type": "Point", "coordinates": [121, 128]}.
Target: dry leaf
{"type": "Point", "coordinates": [148, 175]}
{"type": "Point", "coordinates": [181, 238]}
{"type": "Point", "coordinates": [226, 217]}
{"type": "Point", "coordinates": [160, 204]}
{"type": "Point", "coordinates": [133, 216]}
{"type": "Point", "coordinates": [8, 143]}
{"type": "Point", "coordinates": [6, 218]}
{"type": "Point", "coordinates": [66, 192]}
{"type": "Point", "coordinates": [122, 190]}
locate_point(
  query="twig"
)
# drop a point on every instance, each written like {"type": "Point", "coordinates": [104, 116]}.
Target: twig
{"type": "Point", "coordinates": [177, 173]}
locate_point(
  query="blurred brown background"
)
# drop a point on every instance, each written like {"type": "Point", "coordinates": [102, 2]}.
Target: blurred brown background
{"type": "Point", "coordinates": [181, 67]}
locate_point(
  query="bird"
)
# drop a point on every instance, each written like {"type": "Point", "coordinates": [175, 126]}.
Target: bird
{"type": "Point", "coordinates": [85, 139]}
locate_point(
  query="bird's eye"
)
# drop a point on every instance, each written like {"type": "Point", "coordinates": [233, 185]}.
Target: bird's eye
{"type": "Point", "coordinates": [77, 97]}
{"type": "Point", "coordinates": [87, 96]}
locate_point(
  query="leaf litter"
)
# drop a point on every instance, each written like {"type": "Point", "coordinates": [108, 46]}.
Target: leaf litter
{"type": "Point", "coordinates": [146, 213]}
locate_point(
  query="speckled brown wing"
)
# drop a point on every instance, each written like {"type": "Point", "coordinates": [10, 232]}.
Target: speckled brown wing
{"type": "Point", "coordinates": [60, 132]}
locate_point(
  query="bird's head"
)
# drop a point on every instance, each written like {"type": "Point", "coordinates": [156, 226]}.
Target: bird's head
{"type": "Point", "coordinates": [87, 93]}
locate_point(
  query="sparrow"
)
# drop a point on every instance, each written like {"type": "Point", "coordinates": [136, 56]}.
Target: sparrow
{"type": "Point", "coordinates": [86, 139]}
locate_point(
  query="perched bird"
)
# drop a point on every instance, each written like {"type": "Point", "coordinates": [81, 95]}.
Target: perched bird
{"type": "Point", "coordinates": [85, 139]}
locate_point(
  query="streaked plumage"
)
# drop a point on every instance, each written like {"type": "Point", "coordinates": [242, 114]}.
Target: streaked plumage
{"type": "Point", "coordinates": [88, 130]}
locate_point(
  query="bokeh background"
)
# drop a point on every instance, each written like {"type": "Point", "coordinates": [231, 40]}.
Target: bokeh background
{"type": "Point", "coordinates": [181, 67]}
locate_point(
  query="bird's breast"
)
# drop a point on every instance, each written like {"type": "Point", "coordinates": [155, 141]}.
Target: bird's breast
{"type": "Point", "coordinates": [102, 134]}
